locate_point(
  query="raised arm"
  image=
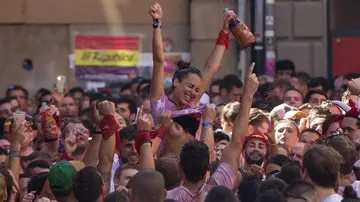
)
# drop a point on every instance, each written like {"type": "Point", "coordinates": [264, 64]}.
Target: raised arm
{"type": "Point", "coordinates": [157, 81]}
{"type": "Point", "coordinates": [214, 60]}
{"type": "Point", "coordinates": [108, 128]}
{"type": "Point", "coordinates": [232, 152]}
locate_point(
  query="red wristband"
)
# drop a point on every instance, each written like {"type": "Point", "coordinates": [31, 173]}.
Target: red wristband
{"type": "Point", "coordinates": [142, 136]}
{"type": "Point", "coordinates": [162, 131]}
{"type": "Point", "coordinates": [223, 39]}
{"type": "Point", "coordinates": [65, 156]}
{"type": "Point", "coordinates": [108, 126]}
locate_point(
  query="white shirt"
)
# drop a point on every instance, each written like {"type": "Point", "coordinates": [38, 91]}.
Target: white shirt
{"type": "Point", "coordinates": [333, 198]}
{"type": "Point", "coordinates": [115, 166]}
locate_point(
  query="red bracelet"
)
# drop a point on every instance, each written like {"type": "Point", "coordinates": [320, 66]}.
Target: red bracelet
{"type": "Point", "coordinates": [108, 126]}
{"type": "Point", "coordinates": [223, 39]}
{"type": "Point", "coordinates": [142, 136]}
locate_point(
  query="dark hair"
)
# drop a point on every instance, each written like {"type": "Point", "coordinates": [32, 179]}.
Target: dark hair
{"type": "Point", "coordinates": [4, 151]}
{"type": "Point", "coordinates": [294, 89]}
{"type": "Point", "coordinates": [301, 188]}
{"type": "Point", "coordinates": [303, 77]}
{"type": "Point", "coordinates": [145, 92]}
{"type": "Point", "coordinates": [284, 65]}
{"type": "Point", "coordinates": [87, 184]}
{"type": "Point", "coordinates": [279, 160]}
{"type": "Point", "coordinates": [145, 81]}
{"type": "Point", "coordinates": [74, 90]}
{"type": "Point", "coordinates": [229, 82]}
{"type": "Point", "coordinates": [184, 70]}
{"type": "Point", "coordinates": [168, 166]}
{"type": "Point", "coordinates": [36, 164]}
{"type": "Point", "coordinates": [148, 185]}
{"type": "Point", "coordinates": [125, 87]}
{"type": "Point", "coordinates": [220, 135]}
{"type": "Point", "coordinates": [350, 194]}
{"type": "Point", "coordinates": [290, 171]}
{"type": "Point", "coordinates": [220, 193]}
{"type": "Point", "coordinates": [352, 75]}
{"type": "Point", "coordinates": [216, 82]}
{"type": "Point", "coordinates": [37, 155]}
{"type": "Point", "coordinates": [319, 81]}
{"type": "Point", "coordinates": [346, 149]}
{"type": "Point", "coordinates": [16, 87]}
{"type": "Point", "coordinates": [310, 130]}
{"type": "Point", "coordinates": [128, 133]}
{"type": "Point", "coordinates": [130, 102]}
{"type": "Point", "coordinates": [271, 195]}
{"type": "Point", "coordinates": [117, 197]}
{"type": "Point", "coordinates": [330, 119]}
{"type": "Point", "coordinates": [194, 160]}
{"type": "Point", "coordinates": [322, 165]}
{"type": "Point", "coordinates": [274, 183]}
{"type": "Point", "coordinates": [313, 92]}
{"type": "Point", "coordinates": [248, 188]}
{"type": "Point", "coordinates": [4, 101]}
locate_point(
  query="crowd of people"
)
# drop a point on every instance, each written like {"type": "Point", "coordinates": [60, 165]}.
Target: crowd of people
{"type": "Point", "coordinates": [291, 137]}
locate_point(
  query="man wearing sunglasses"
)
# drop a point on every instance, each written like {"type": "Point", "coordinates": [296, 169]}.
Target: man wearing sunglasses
{"type": "Point", "coordinates": [300, 191]}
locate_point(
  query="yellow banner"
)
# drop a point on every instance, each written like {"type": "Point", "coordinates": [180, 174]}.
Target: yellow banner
{"type": "Point", "coordinates": [125, 58]}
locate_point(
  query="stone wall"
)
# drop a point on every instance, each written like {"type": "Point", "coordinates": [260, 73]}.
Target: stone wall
{"type": "Point", "coordinates": [301, 34]}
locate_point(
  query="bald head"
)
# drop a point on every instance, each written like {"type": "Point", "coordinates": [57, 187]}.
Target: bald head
{"type": "Point", "coordinates": [148, 186]}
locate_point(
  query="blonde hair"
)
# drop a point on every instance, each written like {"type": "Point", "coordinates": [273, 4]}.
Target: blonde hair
{"type": "Point", "coordinates": [230, 111]}
{"type": "Point", "coordinates": [2, 187]}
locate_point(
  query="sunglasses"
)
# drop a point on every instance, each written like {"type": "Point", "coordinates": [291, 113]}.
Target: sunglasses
{"type": "Point", "coordinates": [290, 195]}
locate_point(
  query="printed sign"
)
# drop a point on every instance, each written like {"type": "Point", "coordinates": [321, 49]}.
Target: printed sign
{"type": "Point", "coordinates": [99, 56]}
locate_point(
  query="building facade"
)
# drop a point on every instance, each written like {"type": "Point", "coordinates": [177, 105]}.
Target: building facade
{"type": "Point", "coordinates": [44, 31]}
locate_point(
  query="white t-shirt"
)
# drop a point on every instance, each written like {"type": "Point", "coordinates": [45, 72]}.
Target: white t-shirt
{"type": "Point", "coordinates": [333, 198]}
{"type": "Point", "coordinates": [115, 165]}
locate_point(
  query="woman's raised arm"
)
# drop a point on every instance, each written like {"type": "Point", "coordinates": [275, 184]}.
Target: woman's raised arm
{"type": "Point", "coordinates": [157, 82]}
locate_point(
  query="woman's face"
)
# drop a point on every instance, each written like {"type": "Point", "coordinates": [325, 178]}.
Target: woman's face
{"type": "Point", "coordinates": [187, 91]}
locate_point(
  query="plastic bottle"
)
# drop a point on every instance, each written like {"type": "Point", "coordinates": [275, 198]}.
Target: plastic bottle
{"type": "Point", "coordinates": [240, 31]}
{"type": "Point", "coordinates": [48, 123]}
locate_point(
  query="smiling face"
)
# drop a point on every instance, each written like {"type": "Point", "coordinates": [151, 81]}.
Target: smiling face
{"type": "Point", "coordinates": [187, 91]}
{"type": "Point", "coordinates": [255, 152]}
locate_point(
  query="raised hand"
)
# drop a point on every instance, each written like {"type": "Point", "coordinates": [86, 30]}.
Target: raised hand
{"type": "Point", "coordinates": [156, 12]}
{"type": "Point", "coordinates": [226, 24]}
{"type": "Point", "coordinates": [106, 108]}
{"type": "Point", "coordinates": [209, 113]}
{"type": "Point", "coordinates": [143, 123]}
{"type": "Point", "coordinates": [96, 117]}
{"type": "Point", "coordinates": [165, 118]}
{"type": "Point", "coordinates": [251, 83]}
{"type": "Point", "coordinates": [18, 133]}
{"type": "Point", "coordinates": [30, 197]}
{"type": "Point", "coordinates": [70, 144]}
